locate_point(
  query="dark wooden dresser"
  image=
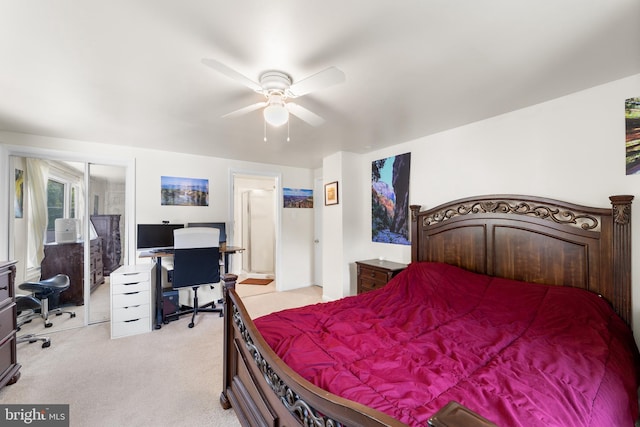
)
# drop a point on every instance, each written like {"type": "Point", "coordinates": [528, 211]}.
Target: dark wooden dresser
{"type": "Point", "coordinates": [68, 258]}
{"type": "Point", "coordinates": [375, 273]}
{"type": "Point", "coordinates": [9, 367]}
{"type": "Point", "coordinates": [108, 228]}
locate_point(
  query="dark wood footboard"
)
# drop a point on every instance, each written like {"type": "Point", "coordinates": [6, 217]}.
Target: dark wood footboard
{"type": "Point", "coordinates": [264, 391]}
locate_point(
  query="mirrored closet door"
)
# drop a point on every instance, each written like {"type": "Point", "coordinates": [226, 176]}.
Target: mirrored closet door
{"type": "Point", "coordinates": [69, 218]}
{"type": "Point", "coordinates": [107, 215]}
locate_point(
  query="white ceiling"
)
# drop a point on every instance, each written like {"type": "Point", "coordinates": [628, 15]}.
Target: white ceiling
{"type": "Point", "coordinates": [129, 71]}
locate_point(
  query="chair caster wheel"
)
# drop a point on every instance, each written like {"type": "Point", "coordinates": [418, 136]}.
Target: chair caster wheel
{"type": "Point", "coordinates": [191, 325]}
{"type": "Point", "coordinates": [46, 344]}
{"type": "Point", "coordinates": [73, 315]}
{"type": "Point", "coordinates": [58, 314]}
{"type": "Point", "coordinates": [48, 325]}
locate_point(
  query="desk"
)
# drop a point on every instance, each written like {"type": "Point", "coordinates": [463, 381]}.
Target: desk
{"type": "Point", "coordinates": [157, 256]}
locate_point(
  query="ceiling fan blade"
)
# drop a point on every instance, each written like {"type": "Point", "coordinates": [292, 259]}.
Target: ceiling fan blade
{"type": "Point", "coordinates": [232, 74]}
{"type": "Point", "coordinates": [246, 110]}
{"type": "Point", "coordinates": [325, 78]}
{"type": "Point", "coordinates": [305, 115]}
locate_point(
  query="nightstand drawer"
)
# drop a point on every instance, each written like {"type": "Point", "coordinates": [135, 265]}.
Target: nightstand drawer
{"type": "Point", "coordinates": [373, 276]}
{"type": "Point", "coordinates": [365, 285]}
{"type": "Point", "coordinates": [129, 300]}
{"type": "Point", "coordinates": [130, 313]}
{"type": "Point", "coordinates": [126, 288]}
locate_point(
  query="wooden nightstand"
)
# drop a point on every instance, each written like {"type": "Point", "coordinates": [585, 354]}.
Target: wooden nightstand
{"type": "Point", "coordinates": [375, 273]}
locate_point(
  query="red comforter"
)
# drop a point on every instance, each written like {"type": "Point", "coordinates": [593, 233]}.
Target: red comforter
{"type": "Point", "coordinates": [518, 354]}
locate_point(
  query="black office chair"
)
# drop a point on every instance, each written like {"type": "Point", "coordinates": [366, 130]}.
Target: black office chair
{"type": "Point", "coordinates": [196, 262]}
{"type": "Point", "coordinates": [43, 291]}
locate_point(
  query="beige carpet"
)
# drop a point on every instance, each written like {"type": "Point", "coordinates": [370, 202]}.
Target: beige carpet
{"type": "Point", "coordinates": [171, 376]}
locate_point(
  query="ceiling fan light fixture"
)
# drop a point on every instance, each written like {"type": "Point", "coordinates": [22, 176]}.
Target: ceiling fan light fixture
{"type": "Point", "coordinates": [276, 114]}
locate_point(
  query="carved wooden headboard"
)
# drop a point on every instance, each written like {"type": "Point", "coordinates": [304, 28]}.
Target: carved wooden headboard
{"type": "Point", "coordinates": [533, 239]}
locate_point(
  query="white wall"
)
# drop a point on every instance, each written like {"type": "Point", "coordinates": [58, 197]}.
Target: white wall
{"type": "Point", "coordinates": [355, 203]}
{"type": "Point", "coordinates": [334, 262]}
{"type": "Point", "coordinates": [571, 148]}
{"type": "Point", "coordinates": [342, 240]}
{"type": "Point", "coordinates": [150, 166]}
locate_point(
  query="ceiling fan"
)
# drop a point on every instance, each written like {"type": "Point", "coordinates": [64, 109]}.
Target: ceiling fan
{"type": "Point", "coordinates": [277, 87]}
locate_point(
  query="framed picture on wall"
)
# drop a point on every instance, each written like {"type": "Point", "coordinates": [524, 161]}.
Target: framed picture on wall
{"type": "Point", "coordinates": [178, 191]}
{"type": "Point", "coordinates": [632, 142]}
{"type": "Point", "coordinates": [331, 193]}
{"type": "Point", "coordinates": [18, 204]}
{"type": "Point", "coordinates": [390, 199]}
{"type": "Point", "coordinates": [297, 198]}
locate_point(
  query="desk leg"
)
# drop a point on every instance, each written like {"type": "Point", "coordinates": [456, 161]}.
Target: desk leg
{"type": "Point", "coordinates": [159, 308]}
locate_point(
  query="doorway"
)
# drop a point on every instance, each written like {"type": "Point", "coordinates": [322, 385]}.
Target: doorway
{"type": "Point", "coordinates": [255, 222]}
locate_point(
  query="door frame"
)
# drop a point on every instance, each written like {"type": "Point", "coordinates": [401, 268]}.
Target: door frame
{"type": "Point", "coordinates": [6, 193]}
{"type": "Point", "coordinates": [277, 177]}
{"type": "Point", "coordinates": [318, 203]}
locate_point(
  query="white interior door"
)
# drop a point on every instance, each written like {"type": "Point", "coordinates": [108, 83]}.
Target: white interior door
{"type": "Point", "coordinates": [259, 231]}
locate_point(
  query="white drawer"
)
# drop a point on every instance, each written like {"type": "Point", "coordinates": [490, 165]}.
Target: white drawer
{"type": "Point", "coordinates": [132, 277]}
{"type": "Point", "coordinates": [125, 288]}
{"type": "Point", "coordinates": [131, 313]}
{"type": "Point", "coordinates": [121, 329]}
{"type": "Point", "coordinates": [128, 300]}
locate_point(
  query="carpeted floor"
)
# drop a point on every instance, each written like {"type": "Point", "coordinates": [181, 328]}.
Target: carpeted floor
{"type": "Point", "coordinates": [171, 376]}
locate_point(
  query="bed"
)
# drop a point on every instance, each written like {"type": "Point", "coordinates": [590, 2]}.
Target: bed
{"type": "Point", "coordinates": [515, 309]}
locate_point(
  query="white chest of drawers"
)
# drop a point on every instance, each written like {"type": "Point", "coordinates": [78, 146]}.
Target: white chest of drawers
{"type": "Point", "coordinates": [132, 299]}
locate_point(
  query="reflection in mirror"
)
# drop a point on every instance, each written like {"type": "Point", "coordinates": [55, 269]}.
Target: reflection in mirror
{"type": "Point", "coordinates": [107, 208]}
{"type": "Point", "coordinates": [47, 242]}
{"type": "Point", "coordinates": [44, 250]}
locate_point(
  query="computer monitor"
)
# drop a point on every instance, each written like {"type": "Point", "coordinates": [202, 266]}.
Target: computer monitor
{"type": "Point", "coordinates": [156, 236]}
{"type": "Point", "coordinates": [219, 225]}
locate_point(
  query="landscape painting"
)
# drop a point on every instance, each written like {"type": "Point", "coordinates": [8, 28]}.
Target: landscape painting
{"type": "Point", "coordinates": [632, 122]}
{"type": "Point", "coordinates": [297, 198]}
{"type": "Point", "coordinates": [176, 191]}
{"type": "Point", "coordinates": [390, 199]}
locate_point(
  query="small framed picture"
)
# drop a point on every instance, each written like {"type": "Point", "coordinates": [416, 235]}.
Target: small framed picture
{"type": "Point", "coordinates": [331, 193]}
